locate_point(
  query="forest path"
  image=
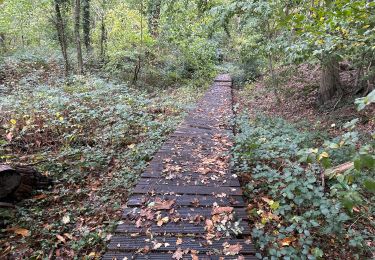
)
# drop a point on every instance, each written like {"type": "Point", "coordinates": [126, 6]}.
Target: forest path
{"type": "Point", "coordinates": [188, 204]}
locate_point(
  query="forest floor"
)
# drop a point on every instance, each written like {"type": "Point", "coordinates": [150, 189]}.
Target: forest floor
{"type": "Point", "coordinates": [93, 153]}
{"type": "Point", "coordinates": [298, 94]}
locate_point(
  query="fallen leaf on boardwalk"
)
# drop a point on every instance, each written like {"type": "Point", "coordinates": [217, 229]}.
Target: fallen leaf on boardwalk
{"type": "Point", "coordinates": [160, 204]}
{"type": "Point", "coordinates": [220, 210]}
{"type": "Point", "coordinates": [178, 254]}
{"type": "Point", "coordinates": [163, 221]}
{"type": "Point", "coordinates": [193, 255]}
{"type": "Point", "coordinates": [195, 202]}
{"type": "Point", "coordinates": [232, 249]}
{"type": "Point", "coordinates": [179, 241]}
{"type": "Point", "coordinates": [203, 170]}
{"type": "Point", "coordinates": [209, 225]}
{"type": "Point", "coordinates": [157, 245]}
{"type": "Point", "coordinates": [286, 241]}
{"type": "Point", "coordinates": [138, 223]}
{"type": "Point", "coordinates": [61, 238]}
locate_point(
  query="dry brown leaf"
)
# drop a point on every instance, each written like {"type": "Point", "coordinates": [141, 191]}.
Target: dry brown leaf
{"type": "Point", "coordinates": [9, 136]}
{"type": "Point", "coordinates": [267, 200]}
{"type": "Point", "coordinates": [61, 238]}
{"type": "Point", "coordinates": [160, 204]}
{"type": "Point", "coordinates": [209, 225]}
{"type": "Point", "coordinates": [40, 196]}
{"type": "Point", "coordinates": [287, 241]}
{"type": "Point", "coordinates": [138, 223]}
{"type": "Point", "coordinates": [232, 249]}
{"type": "Point", "coordinates": [179, 241]}
{"type": "Point", "coordinates": [21, 231]}
{"type": "Point", "coordinates": [219, 210]}
{"type": "Point", "coordinates": [162, 221]}
{"type": "Point", "coordinates": [194, 257]}
{"type": "Point", "coordinates": [178, 254]}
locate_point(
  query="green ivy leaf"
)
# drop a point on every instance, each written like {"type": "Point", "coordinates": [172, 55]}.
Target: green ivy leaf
{"type": "Point", "coordinates": [369, 184]}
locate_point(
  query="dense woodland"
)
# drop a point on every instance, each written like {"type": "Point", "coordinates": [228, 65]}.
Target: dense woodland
{"type": "Point", "coordinates": [90, 89]}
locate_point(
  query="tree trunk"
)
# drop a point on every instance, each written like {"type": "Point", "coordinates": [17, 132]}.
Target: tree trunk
{"type": "Point", "coordinates": [18, 182]}
{"type": "Point", "coordinates": [330, 80]}
{"type": "Point", "coordinates": [77, 16]}
{"type": "Point", "coordinates": [60, 28]}
{"type": "Point", "coordinates": [2, 43]}
{"type": "Point", "coordinates": [154, 7]}
{"type": "Point", "coordinates": [86, 25]}
{"type": "Point", "coordinates": [103, 38]}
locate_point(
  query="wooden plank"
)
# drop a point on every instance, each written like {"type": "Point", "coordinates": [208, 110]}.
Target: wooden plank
{"type": "Point", "coordinates": [123, 244]}
{"type": "Point", "coordinates": [181, 227]}
{"type": "Point", "coordinates": [190, 200]}
{"type": "Point", "coordinates": [155, 256]}
{"type": "Point", "coordinates": [133, 213]}
{"type": "Point", "coordinates": [162, 189]}
{"type": "Point", "coordinates": [191, 180]}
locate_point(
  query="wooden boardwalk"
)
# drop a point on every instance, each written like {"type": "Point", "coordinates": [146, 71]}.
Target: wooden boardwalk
{"type": "Point", "coordinates": [188, 204]}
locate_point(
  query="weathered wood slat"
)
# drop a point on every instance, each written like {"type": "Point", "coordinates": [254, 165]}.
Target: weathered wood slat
{"type": "Point", "coordinates": [155, 256]}
{"type": "Point", "coordinates": [180, 180]}
{"type": "Point", "coordinates": [162, 189]}
{"type": "Point", "coordinates": [190, 200]}
{"type": "Point", "coordinates": [131, 213]}
{"type": "Point", "coordinates": [124, 244]}
{"type": "Point", "coordinates": [181, 227]}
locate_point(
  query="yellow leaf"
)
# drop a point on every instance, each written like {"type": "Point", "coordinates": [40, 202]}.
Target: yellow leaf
{"type": "Point", "coordinates": [323, 155]}
{"type": "Point", "coordinates": [366, 26]}
{"type": "Point", "coordinates": [61, 118]}
{"type": "Point", "coordinates": [131, 146]}
{"type": "Point", "coordinates": [92, 254]}
{"type": "Point", "coordinates": [13, 121]}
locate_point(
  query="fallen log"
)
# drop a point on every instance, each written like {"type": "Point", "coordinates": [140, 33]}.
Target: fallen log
{"type": "Point", "coordinates": [18, 182]}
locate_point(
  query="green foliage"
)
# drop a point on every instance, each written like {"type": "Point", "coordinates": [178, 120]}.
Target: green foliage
{"type": "Point", "coordinates": [300, 215]}
{"type": "Point", "coordinates": [94, 138]}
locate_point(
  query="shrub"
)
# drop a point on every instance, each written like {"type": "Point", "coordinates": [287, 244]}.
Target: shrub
{"type": "Point", "coordinates": [295, 216]}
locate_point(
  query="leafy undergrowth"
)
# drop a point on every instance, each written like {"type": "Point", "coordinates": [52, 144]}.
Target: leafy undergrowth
{"type": "Point", "coordinates": [299, 209]}
{"type": "Point", "coordinates": [93, 138]}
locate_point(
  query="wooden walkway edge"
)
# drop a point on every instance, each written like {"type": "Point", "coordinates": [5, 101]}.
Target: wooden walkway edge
{"type": "Point", "coordinates": [188, 204]}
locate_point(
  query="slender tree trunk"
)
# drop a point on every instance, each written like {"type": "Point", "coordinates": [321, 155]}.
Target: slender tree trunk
{"type": "Point", "coordinates": [77, 16]}
{"type": "Point", "coordinates": [138, 65]}
{"type": "Point", "coordinates": [103, 38]}
{"type": "Point", "coordinates": [86, 23]}
{"type": "Point", "coordinates": [154, 7]}
{"type": "Point", "coordinates": [2, 42]}
{"type": "Point", "coordinates": [60, 28]}
{"type": "Point", "coordinates": [275, 83]}
{"type": "Point", "coordinates": [330, 79]}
